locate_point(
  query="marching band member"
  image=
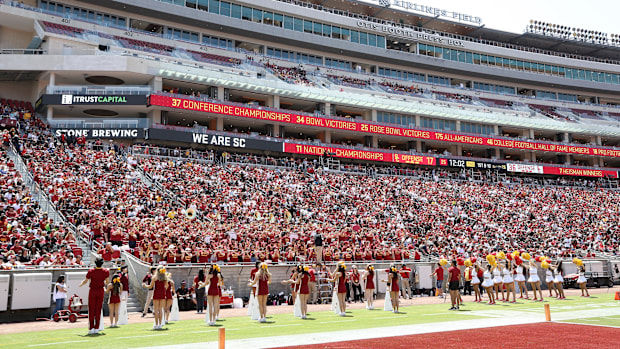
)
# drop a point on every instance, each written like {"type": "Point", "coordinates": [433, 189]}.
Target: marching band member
{"type": "Point", "coordinates": [97, 278]}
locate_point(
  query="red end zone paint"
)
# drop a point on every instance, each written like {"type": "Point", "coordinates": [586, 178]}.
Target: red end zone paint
{"type": "Point", "coordinates": [538, 335]}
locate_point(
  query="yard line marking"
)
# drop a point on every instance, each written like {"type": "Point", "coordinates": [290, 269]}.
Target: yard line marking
{"type": "Point", "coordinates": [148, 335]}
{"type": "Point", "coordinates": [38, 345]}
{"type": "Point", "coordinates": [328, 322]}
{"type": "Point", "coordinates": [284, 325]}
{"type": "Point", "coordinates": [381, 318]}
{"type": "Point", "coordinates": [207, 331]}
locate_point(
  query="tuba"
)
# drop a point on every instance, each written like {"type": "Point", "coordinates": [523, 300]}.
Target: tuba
{"type": "Point", "coordinates": [190, 213]}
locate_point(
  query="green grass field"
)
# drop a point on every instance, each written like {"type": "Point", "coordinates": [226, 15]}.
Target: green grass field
{"type": "Point", "coordinates": [195, 331]}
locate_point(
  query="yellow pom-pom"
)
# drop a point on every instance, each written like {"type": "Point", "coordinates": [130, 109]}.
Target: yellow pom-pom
{"type": "Point", "coordinates": [577, 261]}
{"type": "Point", "coordinates": [516, 253]}
{"type": "Point", "coordinates": [491, 259]}
{"type": "Point", "coordinates": [443, 262]}
{"type": "Point", "coordinates": [544, 264]}
{"type": "Point", "coordinates": [526, 256]}
{"type": "Point", "coordinates": [501, 255]}
{"type": "Point", "coordinates": [468, 262]}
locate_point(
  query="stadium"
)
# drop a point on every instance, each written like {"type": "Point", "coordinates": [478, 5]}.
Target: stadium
{"type": "Point", "coordinates": [304, 174]}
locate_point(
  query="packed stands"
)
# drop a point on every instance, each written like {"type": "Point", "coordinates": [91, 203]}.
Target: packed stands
{"type": "Point", "coordinates": [292, 75]}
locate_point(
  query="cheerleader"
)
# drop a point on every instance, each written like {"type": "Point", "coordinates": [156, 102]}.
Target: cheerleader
{"type": "Point", "coordinates": [218, 300]}
{"type": "Point", "coordinates": [487, 283]}
{"type": "Point", "coordinates": [303, 291]}
{"type": "Point", "coordinates": [509, 282]}
{"type": "Point", "coordinates": [534, 280]}
{"type": "Point", "coordinates": [369, 278]}
{"type": "Point", "coordinates": [559, 280]}
{"type": "Point", "coordinates": [159, 285]}
{"type": "Point", "coordinates": [475, 281]}
{"type": "Point", "coordinates": [498, 284]}
{"type": "Point", "coordinates": [549, 279]}
{"type": "Point", "coordinates": [212, 284]}
{"type": "Point", "coordinates": [262, 279]}
{"type": "Point", "coordinates": [581, 281]}
{"type": "Point", "coordinates": [115, 288]}
{"type": "Point", "coordinates": [339, 277]}
{"type": "Point", "coordinates": [392, 283]}
{"type": "Point", "coordinates": [169, 294]}
{"type": "Point", "coordinates": [293, 281]}
{"type": "Point", "coordinates": [520, 279]}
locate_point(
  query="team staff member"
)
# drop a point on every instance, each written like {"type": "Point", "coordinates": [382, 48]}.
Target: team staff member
{"type": "Point", "coordinates": [439, 273]}
{"type": "Point", "coordinates": [149, 295]}
{"type": "Point", "coordinates": [312, 285]}
{"type": "Point", "coordinates": [405, 273]}
{"type": "Point", "coordinates": [97, 277]}
{"type": "Point", "coordinates": [454, 275]}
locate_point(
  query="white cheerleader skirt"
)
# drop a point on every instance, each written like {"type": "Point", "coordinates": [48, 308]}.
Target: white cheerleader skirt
{"type": "Point", "coordinates": [559, 279]}
{"type": "Point", "coordinates": [487, 283]}
{"type": "Point", "coordinates": [549, 279]}
{"type": "Point", "coordinates": [519, 277]}
{"type": "Point", "coordinates": [581, 279]}
{"type": "Point", "coordinates": [475, 281]}
{"type": "Point", "coordinates": [497, 280]}
{"type": "Point", "coordinates": [508, 280]}
{"type": "Point", "coordinates": [533, 278]}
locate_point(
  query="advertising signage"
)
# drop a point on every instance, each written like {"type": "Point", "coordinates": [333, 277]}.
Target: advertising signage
{"type": "Point", "coordinates": [214, 139]}
{"type": "Point", "coordinates": [358, 154]}
{"type": "Point", "coordinates": [105, 133]}
{"type": "Point", "coordinates": [579, 172]}
{"type": "Point", "coordinates": [477, 165]}
{"type": "Point", "coordinates": [67, 99]}
{"type": "Point", "coordinates": [371, 128]}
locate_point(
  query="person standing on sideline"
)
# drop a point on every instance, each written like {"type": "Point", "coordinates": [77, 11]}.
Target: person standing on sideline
{"type": "Point", "coordinates": [318, 247]}
{"type": "Point", "coordinates": [60, 294]}
{"type": "Point", "coordinates": [262, 279]}
{"type": "Point", "coordinates": [454, 274]}
{"type": "Point", "coordinates": [125, 283]}
{"type": "Point", "coordinates": [200, 291]}
{"type": "Point", "coordinates": [339, 277]}
{"type": "Point", "coordinates": [312, 285]}
{"type": "Point", "coordinates": [159, 284]}
{"type": "Point", "coordinates": [97, 277]}
{"type": "Point", "coordinates": [467, 275]}
{"type": "Point", "coordinates": [356, 285]}
{"type": "Point", "coordinates": [439, 274]}
{"type": "Point", "coordinates": [146, 281]}
{"type": "Point", "coordinates": [405, 274]}
{"type": "Point", "coordinates": [369, 281]}
{"type": "Point", "coordinates": [114, 301]}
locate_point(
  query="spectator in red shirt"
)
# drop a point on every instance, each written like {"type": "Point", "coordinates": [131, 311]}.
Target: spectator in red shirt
{"type": "Point", "coordinates": [312, 285]}
{"type": "Point", "coordinates": [405, 273]}
{"type": "Point", "coordinates": [454, 274]}
{"type": "Point", "coordinates": [439, 274]}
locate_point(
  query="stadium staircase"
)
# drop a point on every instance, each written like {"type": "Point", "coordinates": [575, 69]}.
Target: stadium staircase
{"type": "Point", "coordinates": [133, 303]}
{"type": "Point", "coordinates": [46, 205]}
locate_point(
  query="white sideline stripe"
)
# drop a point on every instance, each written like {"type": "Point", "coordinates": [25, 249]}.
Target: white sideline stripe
{"type": "Point", "coordinates": [147, 335]}
{"type": "Point", "coordinates": [509, 318]}
{"type": "Point", "coordinates": [207, 331]}
{"type": "Point", "coordinates": [270, 326]}
{"type": "Point", "coordinates": [329, 322]}
{"type": "Point", "coordinates": [55, 343]}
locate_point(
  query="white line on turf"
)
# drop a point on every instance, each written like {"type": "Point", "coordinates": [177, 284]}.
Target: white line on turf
{"type": "Point", "coordinates": [270, 326]}
{"type": "Point", "coordinates": [328, 322]}
{"type": "Point", "coordinates": [207, 331]}
{"type": "Point", "coordinates": [55, 343]}
{"type": "Point", "coordinates": [148, 335]}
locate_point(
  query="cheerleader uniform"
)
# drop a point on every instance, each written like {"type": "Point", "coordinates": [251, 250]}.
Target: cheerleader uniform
{"type": "Point", "coordinates": [168, 294]}
{"type": "Point", "coordinates": [263, 286]}
{"type": "Point", "coordinates": [475, 280]}
{"type": "Point", "coordinates": [341, 284]}
{"type": "Point", "coordinates": [507, 276]}
{"type": "Point", "coordinates": [394, 285]}
{"type": "Point", "coordinates": [558, 277]}
{"type": "Point", "coordinates": [533, 275]}
{"type": "Point", "coordinates": [213, 286]}
{"type": "Point", "coordinates": [159, 291]}
{"type": "Point", "coordinates": [370, 282]}
{"type": "Point", "coordinates": [548, 276]}
{"type": "Point", "coordinates": [519, 276]}
{"type": "Point", "coordinates": [303, 286]}
{"type": "Point", "coordinates": [114, 298]}
{"type": "Point", "coordinates": [488, 282]}
{"type": "Point", "coordinates": [582, 278]}
{"type": "Point", "coordinates": [497, 276]}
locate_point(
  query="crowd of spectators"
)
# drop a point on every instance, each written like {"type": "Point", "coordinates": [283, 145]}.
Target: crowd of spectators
{"type": "Point", "coordinates": [350, 81]}
{"type": "Point", "coordinates": [292, 75]}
